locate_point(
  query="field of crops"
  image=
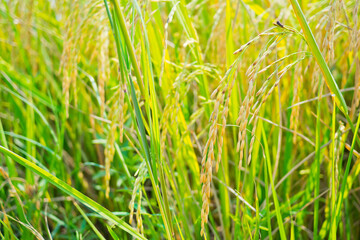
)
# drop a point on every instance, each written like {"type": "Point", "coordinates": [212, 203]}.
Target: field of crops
{"type": "Point", "coordinates": [179, 119]}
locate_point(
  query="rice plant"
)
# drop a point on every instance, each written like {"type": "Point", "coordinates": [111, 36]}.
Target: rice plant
{"type": "Point", "coordinates": [179, 119]}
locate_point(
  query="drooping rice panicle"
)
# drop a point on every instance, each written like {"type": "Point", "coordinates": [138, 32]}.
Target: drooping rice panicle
{"type": "Point", "coordinates": [146, 113]}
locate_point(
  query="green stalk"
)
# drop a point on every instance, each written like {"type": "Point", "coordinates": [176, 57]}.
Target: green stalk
{"type": "Point", "coordinates": [329, 79]}
{"type": "Point", "coordinates": [98, 234]}
{"type": "Point", "coordinates": [148, 160]}
{"type": "Point", "coordinates": [317, 163]}
{"type": "Point", "coordinates": [276, 201]}
{"type": "Point", "coordinates": [105, 213]}
{"type": "Point", "coordinates": [10, 164]}
{"type": "Point", "coordinates": [119, 19]}
{"type": "Point", "coordinates": [333, 187]}
{"type": "Point", "coordinates": [153, 118]}
{"type": "Point", "coordinates": [267, 199]}
{"type": "Point", "coordinates": [128, 45]}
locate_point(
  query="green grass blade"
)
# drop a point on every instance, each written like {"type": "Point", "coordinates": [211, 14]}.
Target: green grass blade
{"type": "Point", "coordinates": [10, 164]}
{"type": "Point", "coordinates": [73, 192]}
{"type": "Point", "coordinates": [275, 198]}
{"type": "Point", "coordinates": [329, 78]}
{"type": "Point", "coordinates": [128, 44]}
{"type": "Point", "coordinates": [112, 233]}
{"type": "Point", "coordinates": [118, 18]}
{"type": "Point", "coordinates": [333, 175]}
{"type": "Point", "coordinates": [100, 236]}
{"type": "Point", "coordinates": [317, 163]}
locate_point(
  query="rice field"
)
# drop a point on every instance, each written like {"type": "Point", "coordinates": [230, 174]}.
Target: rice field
{"type": "Point", "coordinates": [179, 119]}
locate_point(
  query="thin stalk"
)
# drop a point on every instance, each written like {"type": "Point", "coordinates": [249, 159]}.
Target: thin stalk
{"type": "Point", "coordinates": [276, 201]}
{"type": "Point", "coordinates": [128, 44]}
{"type": "Point", "coordinates": [333, 181]}
{"type": "Point", "coordinates": [98, 234]}
{"type": "Point", "coordinates": [267, 206]}
{"type": "Point", "coordinates": [10, 164]}
{"type": "Point", "coordinates": [317, 163]}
